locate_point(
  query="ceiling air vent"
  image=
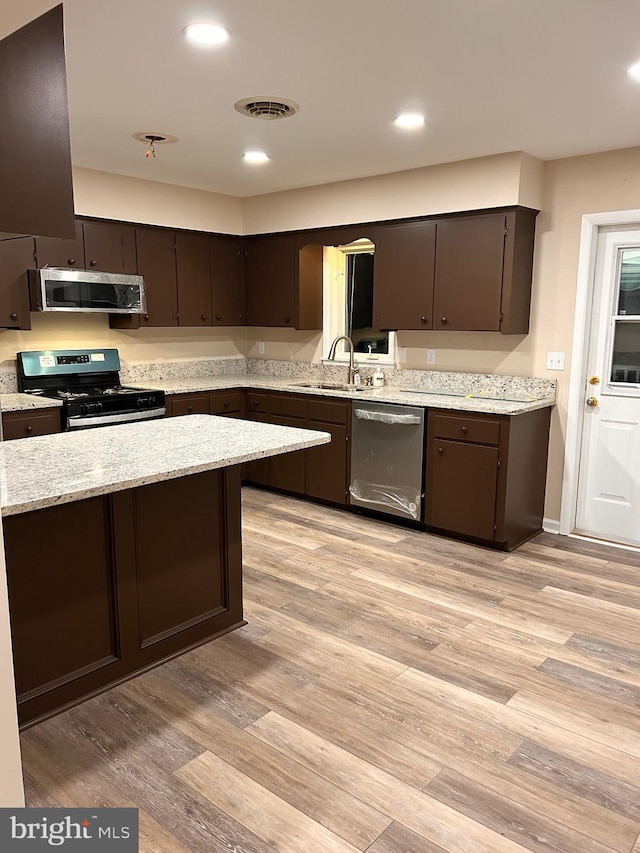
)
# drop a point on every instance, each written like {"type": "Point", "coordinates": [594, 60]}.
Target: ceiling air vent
{"type": "Point", "coordinates": [267, 108]}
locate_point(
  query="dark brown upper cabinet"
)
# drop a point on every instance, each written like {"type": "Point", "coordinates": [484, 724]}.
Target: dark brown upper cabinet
{"type": "Point", "coordinates": [35, 156]}
{"type": "Point", "coordinates": [227, 290]}
{"type": "Point", "coordinates": [52, 252]}
{"type": "Point", "coordinates": [156, 250]}
{"type": "Point", "coordinates": [16, 256]}
{"type": "Point", "coordinates": [270, 281]}
{"type": "Point", "coordinates": [193, 272]}
{"type": "Point", "coordinates": [110, 247]}
{"type": "Point", "coordinates": [483, 272]}
{"type": "Point", "coordinates": [403, 276]}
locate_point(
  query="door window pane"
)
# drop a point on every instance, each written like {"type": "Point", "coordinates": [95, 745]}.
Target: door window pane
{"type": "Point", "coordinates": [629, 292]}
{"type": "Point", "coordinates": [625, 366]}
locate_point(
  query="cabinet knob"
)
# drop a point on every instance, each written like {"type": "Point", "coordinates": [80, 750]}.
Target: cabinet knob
{"type": "Point", "coordinates": [444, 321]}
{"type": "Point", "coordinates": [203, 316]}
{"type": "Point", "coordinates": [441, 450]}
{"type": "Point", "coordinates": [219, 316]}
{"type": "Point", "coordinates": [423, 319]}
{"type": "Point", "coordinates": [464, 430]}
{"type": "Point", "coordinates": [28, 429]}
{"type": "Point", "coordinates": [189, 408]}
{"type": "Point", "coordinates": [255, 402]}
{"type": "Point", "coordinates": [14, 316]}
{"type": "Point", "coordinates": [71, 261]}
{"type": "Point", "coordinates": [226, 404]}
{"type": "Point", "coordinates": [287, 319]}
{"type": "Point", "coordinates": [146, 317]}
{"type": "Point", "coordinates": [93, 263]}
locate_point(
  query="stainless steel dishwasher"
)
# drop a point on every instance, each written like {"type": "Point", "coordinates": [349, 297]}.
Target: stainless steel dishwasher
{"type": "Point", "coordinates": [387, 446]}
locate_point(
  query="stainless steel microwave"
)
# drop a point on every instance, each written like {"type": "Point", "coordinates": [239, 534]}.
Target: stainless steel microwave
{"type": "Point", "coordinates": [58, 289]}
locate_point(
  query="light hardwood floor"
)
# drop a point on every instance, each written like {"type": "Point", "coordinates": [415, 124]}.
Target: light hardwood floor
{"type": "Point", "coordinates": [393, 692]}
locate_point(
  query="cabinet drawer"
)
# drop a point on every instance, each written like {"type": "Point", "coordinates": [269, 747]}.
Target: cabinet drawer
{"type": "Point", "coordinates": [193, 404]}
{"type": "Point", "coordinates": [23, 425]}
{"type": "Point", "coordinates": [328, 411]}
{"type": "Point", "coordinates": [256, 402]}
{"type": "Point", "coordinates": [466, 429]}
{"type": "Point", "coordinates": [288, 406]}
{"type": "Point", "coordinates": [224, 403]}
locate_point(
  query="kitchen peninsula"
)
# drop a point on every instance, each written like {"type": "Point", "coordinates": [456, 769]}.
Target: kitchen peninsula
{"type": "Point", "coordinates": [123, 547]}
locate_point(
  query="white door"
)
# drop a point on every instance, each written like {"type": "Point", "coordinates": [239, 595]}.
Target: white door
{"type": "Point", "coordinates": [609, 477]}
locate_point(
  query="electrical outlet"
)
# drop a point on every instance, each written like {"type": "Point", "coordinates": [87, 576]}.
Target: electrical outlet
{"type": "Point", "coordinates": [402, 355]}
{"type": "Point", "coordinates": [555, 361]}
{"type": "Point", "coordinates": [260, 347]}
{"type": "Point", "coordinates": [431, 356]}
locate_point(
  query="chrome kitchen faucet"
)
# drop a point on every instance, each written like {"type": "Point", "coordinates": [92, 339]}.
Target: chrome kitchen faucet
{"type": "Point", "coordinates": [353, 370]}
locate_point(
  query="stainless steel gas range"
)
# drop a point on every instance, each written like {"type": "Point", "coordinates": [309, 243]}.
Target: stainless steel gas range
{"type": "Point", "coordinates": [88, 384]}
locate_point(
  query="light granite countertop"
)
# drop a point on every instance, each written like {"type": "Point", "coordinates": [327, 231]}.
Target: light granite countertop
{"type": "Point", "coordinates": [387, 394]}
{"type": "Point", "coordinates": [53, 469]}
{"type": "Point", "coordinates": [513, 400]}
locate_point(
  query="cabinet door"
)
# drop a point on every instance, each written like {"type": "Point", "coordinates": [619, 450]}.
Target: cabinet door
{"type": "Point", "coordinates": [157, 265]}
{"type": "Point", "coordinates": [16, 256]}
{"type": "Point", "coordinates": [27, 424]}
{"type": "Point", "coordinates": [269, 281]}
{"type": "Point", "coordinates": [258, 470]}
{"type": "Point", "coordinates": [461, 487]}
{"type": "Point", "coordinates": [327, 465]}
{"type": "Point", "coordinates": [227, 305]}
{"type": "Point", "coordinates": [110, 247]}
{"type": "Point", "coordinates": [403, 275]}
{"type": "Point", "coordinates": [287, 470]}
{"type": "Point", "coordinates": [193, 268]}
{"type": "Point", "coordinates": [53, 252]}
{"type": "Point", "coordinates": [35, 156]}
{"type": "Point", "coordinates": [189, 404]}
{"type": "Point", "coordinates": [468, 277]}
{"type": "Point", "coordinates": [226, 403]}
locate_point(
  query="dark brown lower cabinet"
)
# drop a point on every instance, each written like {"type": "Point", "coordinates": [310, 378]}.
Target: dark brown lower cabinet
{"type": "Point", "coordinates": [486, 475]}
{"type": "Point", "coordinates": [153, 571]}
{"type": "Point", "coordinates": [24, 424]}
{"type": "Point", "coordinates": [318, 472]}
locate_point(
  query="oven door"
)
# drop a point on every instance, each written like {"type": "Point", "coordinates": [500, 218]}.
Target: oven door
{"type": "Point", "coordinates": [88, 421]}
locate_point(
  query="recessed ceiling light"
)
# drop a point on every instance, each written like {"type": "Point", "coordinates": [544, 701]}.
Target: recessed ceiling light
{"type": "Point", "coordinates": [634, 71]}
{"type": "Point", "coordinates": [255, 157]}
{"type": "Point", "coordinates": [409, 120]}
{"type": "Point", "coordinates": [204, 32]}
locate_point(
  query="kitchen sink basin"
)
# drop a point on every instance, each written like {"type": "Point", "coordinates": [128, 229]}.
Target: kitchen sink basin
{"type": "Point", "coordinates": [334, 386]}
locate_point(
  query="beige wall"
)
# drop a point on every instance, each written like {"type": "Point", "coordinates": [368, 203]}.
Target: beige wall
{"type": "Point", "coordinates": [15, 15]}
{"type": "Point", "coordinates": [119, 197]}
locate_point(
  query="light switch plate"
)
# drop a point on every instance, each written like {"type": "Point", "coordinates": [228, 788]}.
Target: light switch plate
{"type": "Point", "coordinates": [431, 356]}
{"type": "Point", "coordinates": [555, 361]}
{"type": "Point", "coordinates": [260, 347]}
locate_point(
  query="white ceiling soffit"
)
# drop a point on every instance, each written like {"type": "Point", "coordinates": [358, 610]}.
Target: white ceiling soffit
{"type": "Point", "coordinates": [542, 76]}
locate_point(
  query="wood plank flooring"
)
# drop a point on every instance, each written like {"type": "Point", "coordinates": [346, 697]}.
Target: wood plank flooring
{"type": "Point", "coordinates": [393, 692]}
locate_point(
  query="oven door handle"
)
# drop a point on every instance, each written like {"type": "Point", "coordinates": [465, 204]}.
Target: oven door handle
{"type": "Point", "coordinates": [386, 417]}
{"type": "Point", "coordinates": [78, 422]}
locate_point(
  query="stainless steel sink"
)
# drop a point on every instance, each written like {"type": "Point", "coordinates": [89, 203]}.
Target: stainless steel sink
{"type": "Point", "coordinates": [334, 386]}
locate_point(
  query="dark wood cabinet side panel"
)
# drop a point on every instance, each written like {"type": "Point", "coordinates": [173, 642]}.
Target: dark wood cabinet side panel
{"type": "Point", "coordinates": [403, 271]}
{"type": "Point", "coordinates": [16, 256]}
{"type": "Point", "coordinates": [518, 271]}
{"type": "Point", "coordinates": [461, 487]}
{"type": "Point", "coordinates": [308, 292]}
{"type": "Point", "coordinates": [51, 252]}
{"type": "Point", "coordinates": [468, 273]}
{"type": "Point", "coordinates": [62, 598]}
{"type": "Point", "coordinates": [193, 270]}
{"type": "Point", "coordinates": [35, 153]}
{"type": "Point", "coordinates": [526, 476]}
{"type": "Point", "coordinates": [180, 572]}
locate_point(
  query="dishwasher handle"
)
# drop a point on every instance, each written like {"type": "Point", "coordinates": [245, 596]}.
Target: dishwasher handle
{"type": "Point", "coordinates": [386, 417]}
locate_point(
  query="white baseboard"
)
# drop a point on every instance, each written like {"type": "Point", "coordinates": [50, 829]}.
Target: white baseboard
{"type": "Point", "coordinates": [551, 525]}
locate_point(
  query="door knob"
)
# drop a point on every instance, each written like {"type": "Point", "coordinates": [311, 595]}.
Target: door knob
{"type": "Point", "coordinates": [592, 402]}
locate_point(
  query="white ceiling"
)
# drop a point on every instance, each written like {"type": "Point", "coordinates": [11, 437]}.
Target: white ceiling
{"type": "Point", "coordinates": [542, 76]}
